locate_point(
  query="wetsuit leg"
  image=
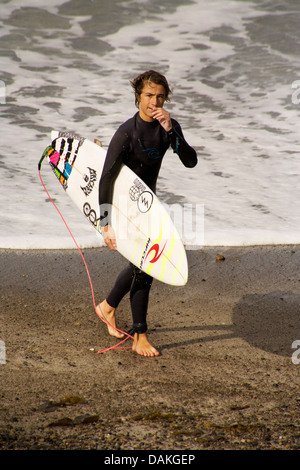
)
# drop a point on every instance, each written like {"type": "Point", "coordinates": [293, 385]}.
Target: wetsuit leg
{"type": "Point", "coordinates": [139, 296]}
{"type": "Point", "coordinates": [139, 284]}
{"type": "Point", "coordinates": [121, 287]}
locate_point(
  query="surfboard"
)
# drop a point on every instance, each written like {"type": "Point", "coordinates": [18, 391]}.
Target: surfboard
{"type": "Point", "coordinates": [145, 233]}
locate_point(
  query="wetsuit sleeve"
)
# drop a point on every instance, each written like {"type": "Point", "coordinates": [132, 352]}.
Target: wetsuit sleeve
{"type": "Point", "coordinates": [117, 149]}
{"type": "Point", "coordinates": [180, 146]}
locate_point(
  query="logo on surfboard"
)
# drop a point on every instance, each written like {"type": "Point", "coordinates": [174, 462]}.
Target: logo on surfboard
{"type": "Point", "coordinates": [155, 250]}
{"type": "Point", "coordinates": [145, 201]}
{"type": "Point", "coordinates": [90, 181]}
{"type": "Point", "coordinates": [157, 253]}
{"type": "Point", "coordinates": [139, 194]}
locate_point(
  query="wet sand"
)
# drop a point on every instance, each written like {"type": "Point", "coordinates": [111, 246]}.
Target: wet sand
{"type": "Point", "coordinates": [225, 379]}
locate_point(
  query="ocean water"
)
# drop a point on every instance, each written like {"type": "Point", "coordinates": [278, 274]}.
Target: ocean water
{"type": "Point", "coordinates": [234, 67]}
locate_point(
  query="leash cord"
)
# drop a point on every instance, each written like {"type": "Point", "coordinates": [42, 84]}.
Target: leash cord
{"type": "Point", "coordinates": [97, 308]}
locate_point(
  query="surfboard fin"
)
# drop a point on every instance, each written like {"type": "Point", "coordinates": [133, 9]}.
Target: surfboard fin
{"type": "Point", "coordinates": [45, 153]}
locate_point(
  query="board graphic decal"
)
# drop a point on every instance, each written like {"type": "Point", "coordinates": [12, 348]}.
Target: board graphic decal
{"type": "Point", "coordinates": [62, 161]}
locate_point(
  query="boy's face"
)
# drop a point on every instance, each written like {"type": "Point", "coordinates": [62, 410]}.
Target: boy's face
{"type": "Point", "coordinates": [151, 97]}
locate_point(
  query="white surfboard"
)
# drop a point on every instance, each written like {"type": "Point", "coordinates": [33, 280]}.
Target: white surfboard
{"type": "Point", "coordinates": [145, 233]}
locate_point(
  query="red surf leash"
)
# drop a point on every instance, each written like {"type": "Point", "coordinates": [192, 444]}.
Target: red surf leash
{"type": "Point", "coordinates": [97, 308]}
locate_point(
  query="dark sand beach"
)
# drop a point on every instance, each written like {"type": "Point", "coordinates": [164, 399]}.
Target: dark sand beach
{"type": "Point", "coordinates": [225, 378]}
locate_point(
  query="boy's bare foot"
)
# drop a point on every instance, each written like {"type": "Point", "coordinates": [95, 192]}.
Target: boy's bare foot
{"type": "Point", "coordinates": [142, 346]}
{"type": "Point", "coordinates": [107, 313]}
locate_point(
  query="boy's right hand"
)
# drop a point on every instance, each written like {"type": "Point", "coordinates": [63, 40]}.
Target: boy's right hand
{"type": "Point", "coordinates": [109, 237]}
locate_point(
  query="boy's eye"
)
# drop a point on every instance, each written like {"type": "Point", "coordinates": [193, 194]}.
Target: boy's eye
{"type": "Point", "coordinates": [159, 97]}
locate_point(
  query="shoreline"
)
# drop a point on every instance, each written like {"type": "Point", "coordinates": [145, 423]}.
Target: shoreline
{"type": "Point", "coordinates": [225, 378]}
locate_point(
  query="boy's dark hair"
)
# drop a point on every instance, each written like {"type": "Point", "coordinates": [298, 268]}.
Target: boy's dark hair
{"type": "Point", "coordinates": [149, 76]}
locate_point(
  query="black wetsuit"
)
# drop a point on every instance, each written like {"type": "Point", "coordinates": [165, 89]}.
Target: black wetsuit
{"type": "Point", "coordinates": [141, 146]}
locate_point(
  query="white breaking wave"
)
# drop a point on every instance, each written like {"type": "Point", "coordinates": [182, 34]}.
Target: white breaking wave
{"type": "Point", "coordinates": [232, 95]}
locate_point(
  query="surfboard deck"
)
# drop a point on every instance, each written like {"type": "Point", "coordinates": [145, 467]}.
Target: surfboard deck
{"type": "Point", "coordinates": [145, 233]}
